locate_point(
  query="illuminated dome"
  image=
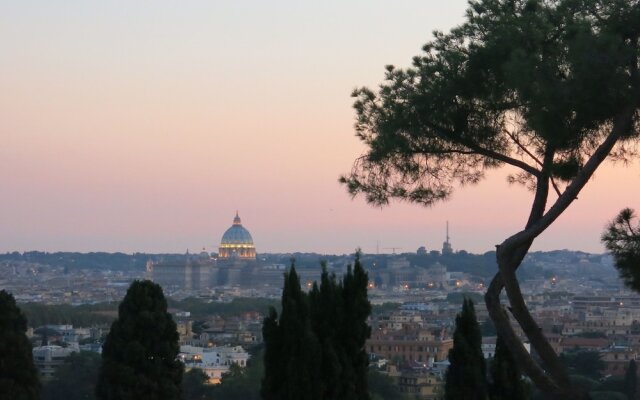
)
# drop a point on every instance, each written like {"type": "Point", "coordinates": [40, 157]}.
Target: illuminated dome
{"type": "Point", "coordinates": [237, 243]}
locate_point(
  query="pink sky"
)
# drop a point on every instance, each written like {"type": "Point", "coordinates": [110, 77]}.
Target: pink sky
{"type": "Point", "coordinates": [145, 127]}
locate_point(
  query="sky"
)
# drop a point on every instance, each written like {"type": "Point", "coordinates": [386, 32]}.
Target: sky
{"type": "Point", "coordinates": [143, 127]}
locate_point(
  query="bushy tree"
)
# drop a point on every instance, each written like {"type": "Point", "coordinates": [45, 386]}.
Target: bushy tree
{"type": "Point", "coordinates": [383, 387]}
{"type": "Point", "coordinates": [466, 375]}
{"type": "Point", "coordinates": [548, 88]}
{"type": "Point", "coordinates": [139, 356]}
{"type": "Point", "coordinates": [18, 375]}
{"type": "Point", "coordinates": [237, 384]}
{"type": "Point", "coordinates": [586, 363]}
{"type": "Point", "coordinates": [315, 348]}
{"type": "Point", "coordinates": [194, 385]}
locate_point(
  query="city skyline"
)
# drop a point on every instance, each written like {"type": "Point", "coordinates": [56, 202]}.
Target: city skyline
{"type": "Point", "coordinates": [129, 127]}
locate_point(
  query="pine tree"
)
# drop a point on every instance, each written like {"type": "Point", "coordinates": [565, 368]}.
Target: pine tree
{"type": "Point", "coordinates": [631, 381]}
{"type": "Point", "coordinates": [508, 87]}
{"type": "Point", "coordinates": [18, 375]}
{"type": "Point", "coordinates": [506, 378]}
{"type": "Point", "coordinates": [466, 376]}
{"type": "Point", "coordinates": [139, 356]}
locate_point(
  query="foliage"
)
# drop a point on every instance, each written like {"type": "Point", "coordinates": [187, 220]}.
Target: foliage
{"type": "Point", "coordinates": [506, 378]}
{"type": "Point", "coordinates": [611, 384]}
{"type": "Point", "coordinates": [18, 375]}
{"type": "Point", "coordinates": [622, 239]}
{"type": "Point", "coordinates": [40, 314]}
{"type": "Point", "coordinates": [75, 379]}
{"type": "Point", "coordinates": [507, 87]}
{"type": "Point", "coordinates": [292, 352]}
{"type": "Point", "coordinates": [201, 308]}
{"type": "Point", "coordinates": [239, 383]}
{"type": "Point", "coordinates": [194, 385]}
{"type": "Point", "coordinates": [382, 387]}
{"type": "Point", "coordinates": [466, 377]}
{"type": "Point", "coordinates": [83, 315]}
{"type": "Point", "coordinates": [584, 362]}
{"type": "Point", "coordinates": [139, 356]}
{"type": "Point", "coordinates": [77, 261]}
{"type": "Point", "coordinates": [315, 348]}
{"type": "Point", "coordinates": [586, 383]}
{"type": "Point", "coordinates": [548, 88]}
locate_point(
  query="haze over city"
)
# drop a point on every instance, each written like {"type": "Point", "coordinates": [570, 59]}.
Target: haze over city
{"type": "Point", "coordinates": [132, 128]}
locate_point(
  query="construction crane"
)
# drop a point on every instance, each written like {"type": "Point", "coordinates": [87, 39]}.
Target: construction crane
{"type": "Point", "coordinates": [393, 249]}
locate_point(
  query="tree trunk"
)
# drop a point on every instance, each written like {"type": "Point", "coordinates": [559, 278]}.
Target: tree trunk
{"type": "Point", "coordinates": [554, 380]}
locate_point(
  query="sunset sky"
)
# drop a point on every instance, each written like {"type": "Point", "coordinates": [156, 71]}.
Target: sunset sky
{"type": "Point", "coordinates": [144, 126]}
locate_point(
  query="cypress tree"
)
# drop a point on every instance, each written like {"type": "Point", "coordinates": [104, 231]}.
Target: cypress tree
{"type": "Point", "coordinates": [315, 348]}
{"type": "Point", "coordinates": [355, 332]}
{"type": "Point", "coordinates": [18, 375]}
{"type": "Point", "coordinates": [506, 378]}
{"type": "Point", "coordinates": [466, 377]}
{"type": "Point", "coordinates": [631, 381]}
{"type": "Point", "coordinates": [139, 356]}
{"type": "Point", "coordinates": [273, 358]}
{"type": "Point", "coordinates": [292, 351]}
{"type": "Point", "coordinates": [327, 316]}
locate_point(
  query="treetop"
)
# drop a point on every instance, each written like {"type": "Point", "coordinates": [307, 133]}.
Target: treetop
{"type": "Point", "coordinates": [537, 85]}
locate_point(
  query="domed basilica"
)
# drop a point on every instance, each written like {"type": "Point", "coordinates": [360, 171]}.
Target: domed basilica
{"type": "Point", "coordinates": [237, 243]}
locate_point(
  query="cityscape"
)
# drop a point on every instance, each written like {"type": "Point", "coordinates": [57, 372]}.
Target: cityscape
{"type": "Point", "coordinates": [576, 297]}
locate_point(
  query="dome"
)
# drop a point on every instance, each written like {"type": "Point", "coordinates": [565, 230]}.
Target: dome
{"type": "Point", "coordinates": [237, 242]}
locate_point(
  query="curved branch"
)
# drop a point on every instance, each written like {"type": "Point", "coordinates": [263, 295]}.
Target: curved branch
{"type": "Point", "coordinates": [522, 147]}
{"type": "Point", "coordinates": [555, 187]}
{"type": "Point", "coordinates": [447, 134]}
{"type": "Point", "coordinates": [622, 124]}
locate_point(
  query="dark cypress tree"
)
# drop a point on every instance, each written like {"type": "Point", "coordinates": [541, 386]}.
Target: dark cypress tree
{"type": "Point", "coordinates": [631, 381]}
{"type": "Point", "coordinates": [327, 316]}
{"type": "Point", "coordinates": [506, 378]}
{"type": "Point", "coordinates": [292, 351]}
{"type": "Point", "coordinates": [139, 356]}
{"type": "Point", "coordinates": [315, 348]}
{"type": "Point", "coordinates": [273, 358]}
{"type": "Point", "coordinates": [18, 375]}
{"type": "Point", "coordinates": [466, 376]}
{"type": "Point", "coordinates": [355, 332]}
